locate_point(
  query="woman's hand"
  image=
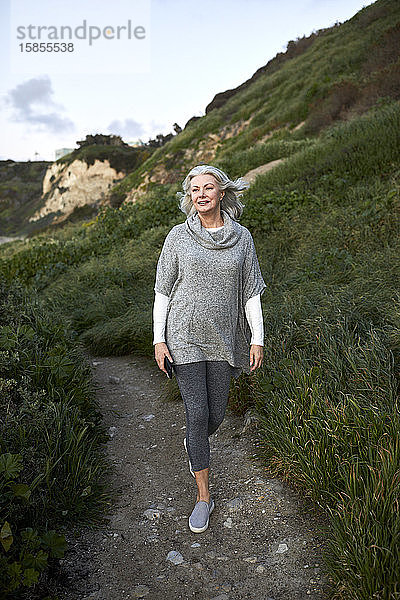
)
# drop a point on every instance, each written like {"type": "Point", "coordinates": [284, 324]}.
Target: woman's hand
{"type": "Point", "coordinates": [256, 356]}
{"type": "Point", "coordinates": [160, 351]}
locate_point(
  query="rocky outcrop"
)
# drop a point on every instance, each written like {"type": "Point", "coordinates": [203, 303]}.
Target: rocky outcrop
{"type": "Point", "coordinates": [68, 186]}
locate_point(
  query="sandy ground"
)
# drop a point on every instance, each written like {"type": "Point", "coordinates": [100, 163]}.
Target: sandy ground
{"type": "Point", "coordinates": [4, 239]}
{"type": "Point", "coordinates": [262, 542]}
{"type": "Point", "coordinates": [250, 176]}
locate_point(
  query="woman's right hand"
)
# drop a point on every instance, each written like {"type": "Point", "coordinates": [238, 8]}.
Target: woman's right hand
{"type": "Point", "coordinates": [160, 351]}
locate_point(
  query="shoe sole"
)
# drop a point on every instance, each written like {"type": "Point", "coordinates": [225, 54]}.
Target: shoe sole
{"type": "Point", "coordinates": [201, 529]}
{"type": "Point", "coordinates": [190, 466]}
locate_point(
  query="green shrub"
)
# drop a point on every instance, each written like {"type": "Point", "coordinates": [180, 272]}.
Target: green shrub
{"type": "Point", "coordinates": [238, 163]}
{"type": "Point", "coordinates": [53, 473]}
{"type": "Point", "coordinates": [329, 422]}
{"type": "Point", "coordinates": [118, 290]}
{"type": "Point", "coordinates": [42, 259]}
{"type": "Point", "coordinates": [24, 553]}
{"type": "Point", "coordinates": [347, 153]}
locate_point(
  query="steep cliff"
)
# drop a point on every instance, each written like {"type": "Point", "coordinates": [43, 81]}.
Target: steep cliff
{"type": "Point", "coordinates": [69, 186]}
{"type": "Point", "coordinates": [36, 195]}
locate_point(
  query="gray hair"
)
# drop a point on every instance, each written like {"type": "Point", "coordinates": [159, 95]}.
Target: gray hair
{"type": "Point", "coordinates": [230, 201]}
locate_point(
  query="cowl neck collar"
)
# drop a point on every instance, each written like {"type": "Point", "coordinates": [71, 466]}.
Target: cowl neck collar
{"type": "Point", "coordinates": [226, 237]}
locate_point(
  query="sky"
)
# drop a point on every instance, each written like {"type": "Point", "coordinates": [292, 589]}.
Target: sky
{"type": "Point", "coordinates": [135, 67]}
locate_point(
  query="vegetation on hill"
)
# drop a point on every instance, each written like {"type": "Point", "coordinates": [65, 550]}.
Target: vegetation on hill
{"type": "Point", "coordinates": [20, 192]}
{"type": "Point", "coordinates": [52, 467]}
{"type": "Point", "coordinates": [121, 156]}
{"type": "Point", "coordinates": [326, 224]}
{"type": "Point", "coordinates": [21, 182]}
{"type": "Point", "coordinates": [345, 71]}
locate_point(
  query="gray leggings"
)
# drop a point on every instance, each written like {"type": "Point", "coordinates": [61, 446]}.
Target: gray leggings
{"type": "Point", "coordinates": [204, 387]}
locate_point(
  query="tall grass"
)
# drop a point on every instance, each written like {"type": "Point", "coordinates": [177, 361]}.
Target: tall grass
{"type": "Point", "coordinates": [40, 260]}
{"type": "Point", "coordinates": [53, 473]}
{"type": "Point", "coordinates": [345, 154]}
{"type": "Point", "coordinates": [328, 394]}
{"type": "Point", "coordinates": [238, 163]}
{"type": "Point", "coordinates": [118, 291]}
{"type": "Point", "coordinates": [330, 421]}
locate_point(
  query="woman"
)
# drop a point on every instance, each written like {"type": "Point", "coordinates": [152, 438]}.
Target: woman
{"type": "Point", "coordinates": [207, 312]}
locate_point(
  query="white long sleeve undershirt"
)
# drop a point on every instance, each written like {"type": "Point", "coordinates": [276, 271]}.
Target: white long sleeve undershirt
{"type": "Point", "coordinates": [252, 309]}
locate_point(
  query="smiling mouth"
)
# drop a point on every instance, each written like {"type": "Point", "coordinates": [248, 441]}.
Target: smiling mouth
{"type": "Point", "coordinates": [203, 202]}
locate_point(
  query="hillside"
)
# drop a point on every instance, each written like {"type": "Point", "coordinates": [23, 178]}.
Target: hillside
{"type": "Point", "coordinates": [20, 191]}
{"type": "Point", "coordinates": [37, 195]}
{"type": "Point", "coordinates": [331, 76]}
{"type": "Point", "coordinates": [320, 131]}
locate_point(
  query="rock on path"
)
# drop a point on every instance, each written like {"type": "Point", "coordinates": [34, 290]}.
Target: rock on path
{"type": "Point", "coordinates": [262, 542]}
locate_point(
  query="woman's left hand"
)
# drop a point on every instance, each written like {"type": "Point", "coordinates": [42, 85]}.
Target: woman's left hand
{"type": "Point", "coordinates": [256, 356]}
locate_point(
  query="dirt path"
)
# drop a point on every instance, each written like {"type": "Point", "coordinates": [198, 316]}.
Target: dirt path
{"type": "Point", "coordinates": [250, 176]}
{"type": "Point", "coordinates": [4, 239]}
{"type": "Point", "coordinates": [261, 543]}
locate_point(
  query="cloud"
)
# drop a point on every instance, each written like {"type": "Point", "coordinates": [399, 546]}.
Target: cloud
{"type": "Point", "coordinates": [158, 127]}
{"type": "Point", "coordinates": [127, 128]}
{"type": "Point", "coordinates": [32, 103]}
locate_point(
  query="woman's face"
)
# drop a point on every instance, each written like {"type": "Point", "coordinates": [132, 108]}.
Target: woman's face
{"type": "Point", "coordinates": [205, 194]}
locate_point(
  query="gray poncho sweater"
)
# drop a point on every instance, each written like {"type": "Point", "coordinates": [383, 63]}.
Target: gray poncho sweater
{"type": "Point", "coordinates": [209, 276]}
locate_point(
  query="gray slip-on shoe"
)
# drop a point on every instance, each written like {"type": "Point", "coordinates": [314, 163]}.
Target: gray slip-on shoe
{"type": "Point", "coordinates": [190, 464]}
{"type": "Point", "coordinates": [198, 520]}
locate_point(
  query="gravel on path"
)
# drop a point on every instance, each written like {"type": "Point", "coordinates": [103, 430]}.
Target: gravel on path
{"type": "Point", "coordinates": [264, 541]}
